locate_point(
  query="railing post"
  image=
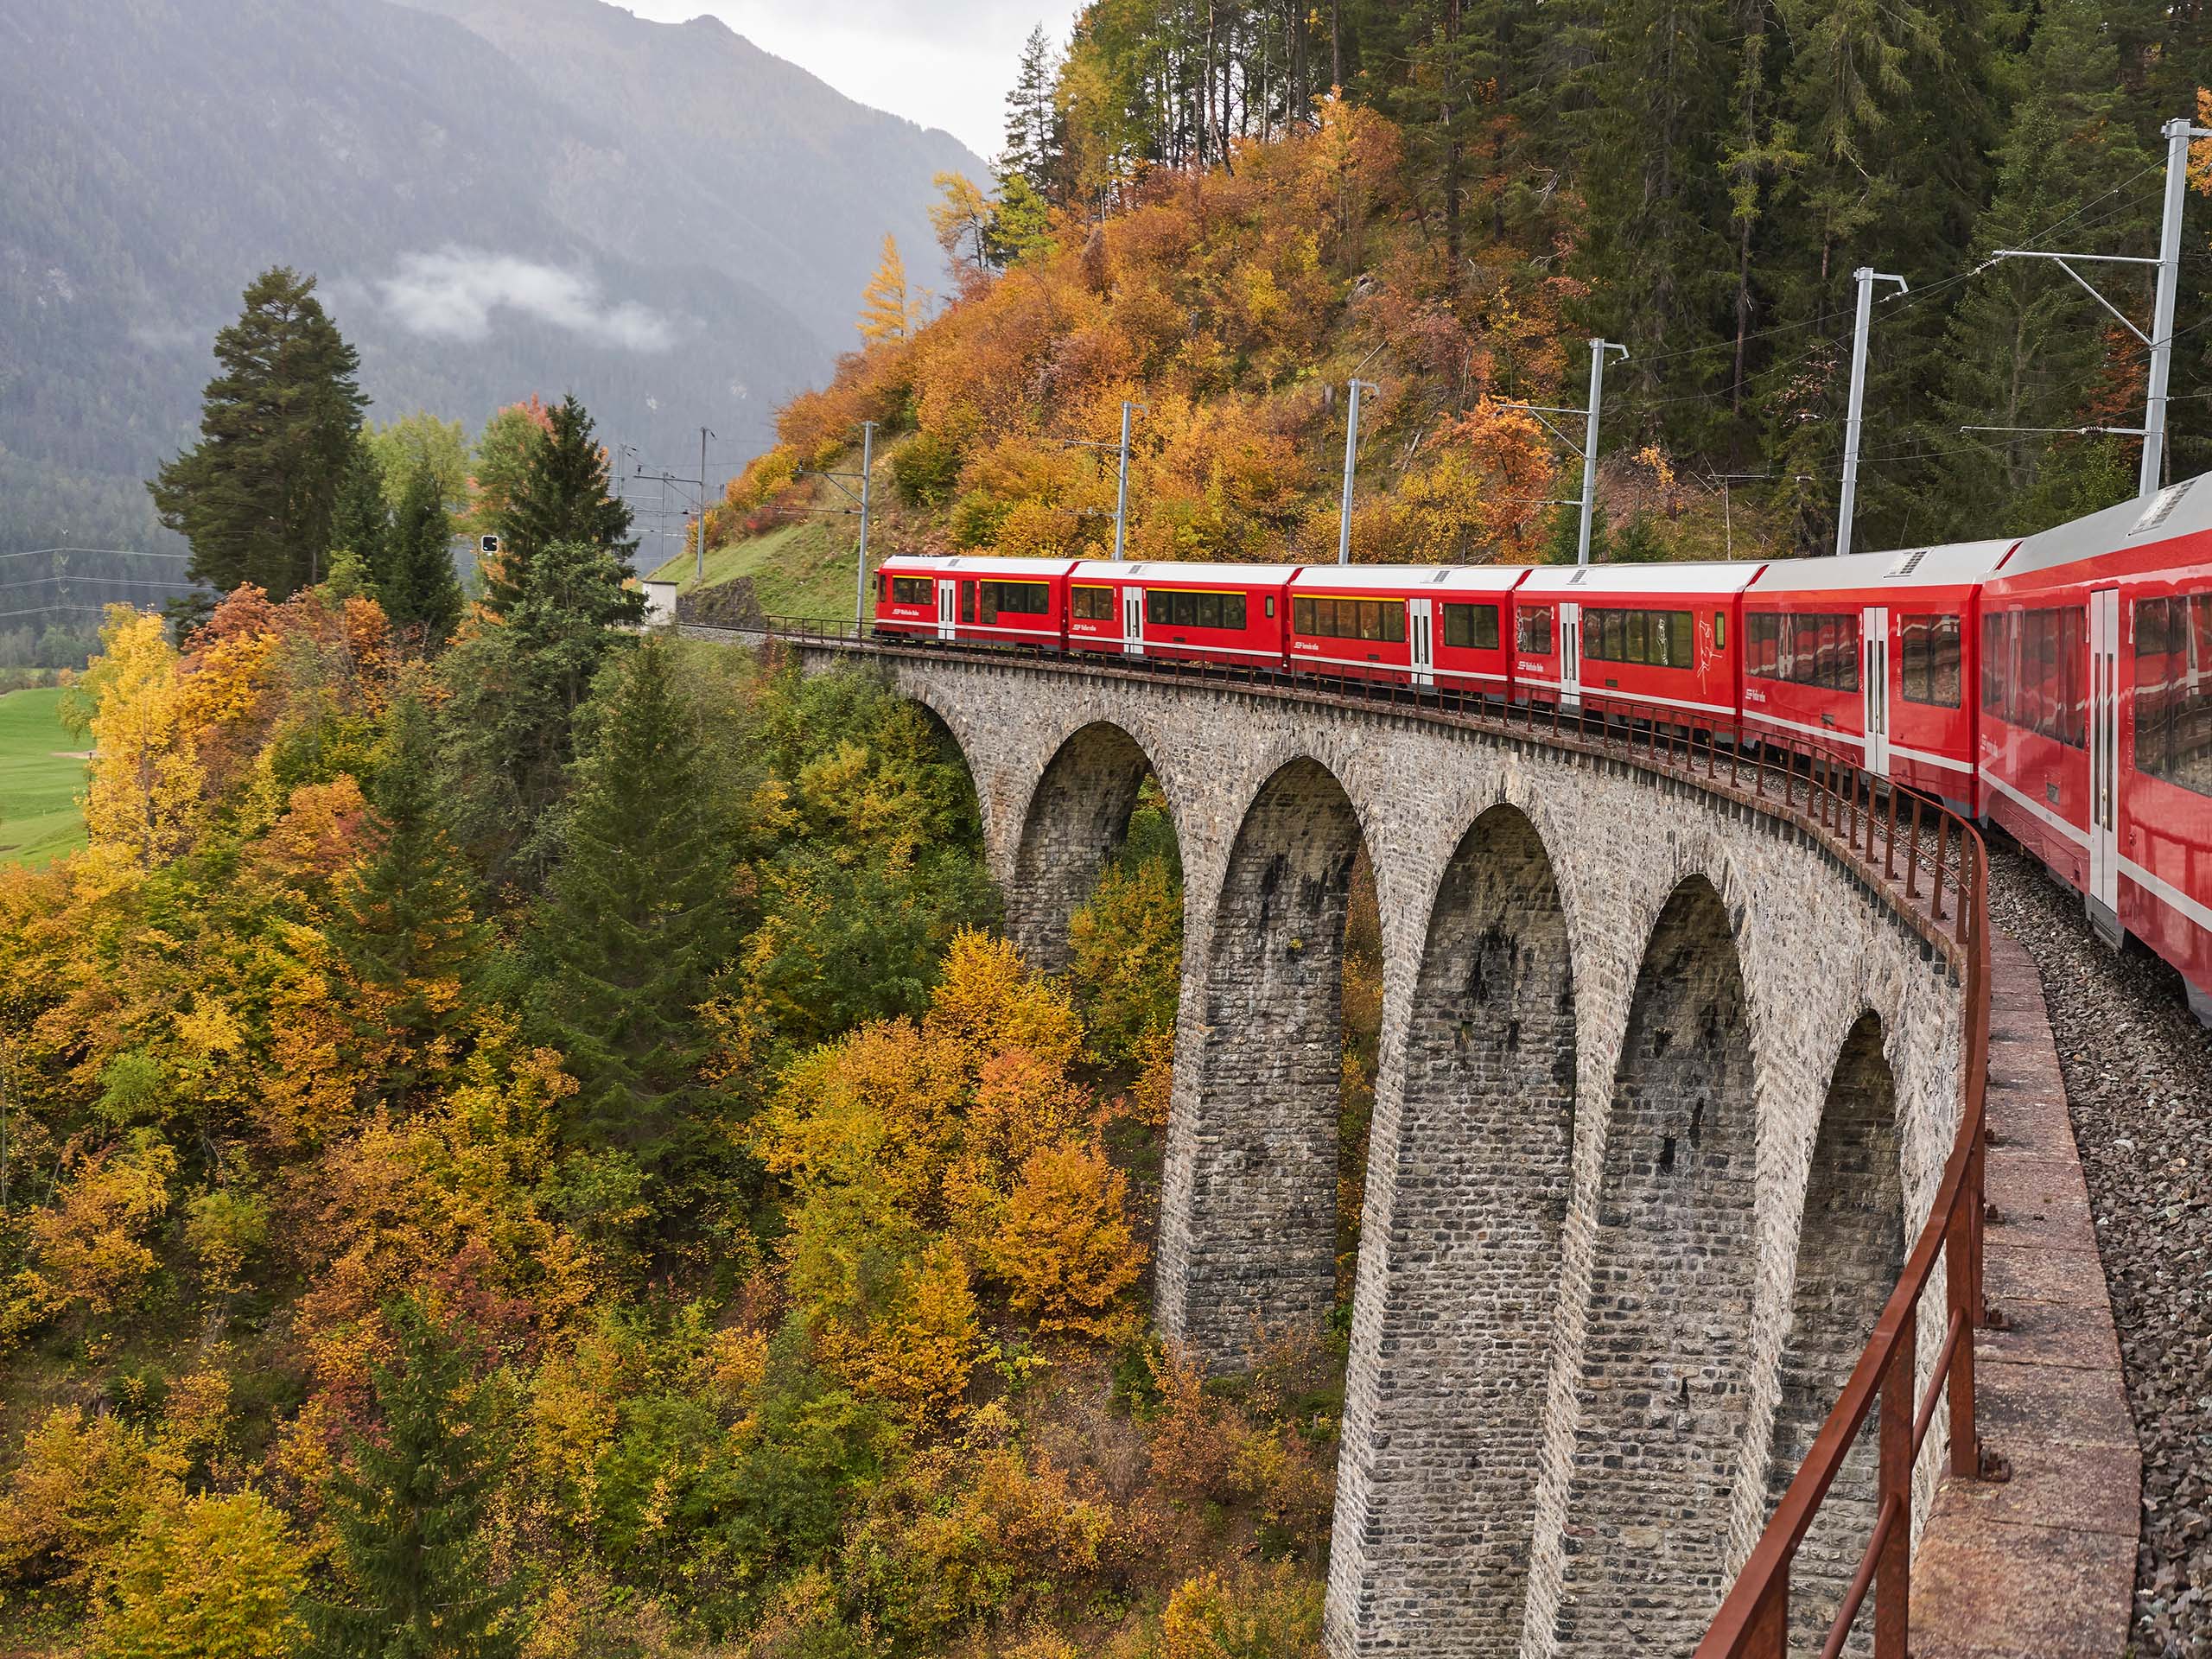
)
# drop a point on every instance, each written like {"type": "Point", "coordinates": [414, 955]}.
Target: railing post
{"type": "Point", "coordinates": [1912, 854]}
{"type": "Point", "coordinates": [1942, 861]}
{"type": "Point", "coordinates": [1893, 1569]}
{"type": "Point", "coordinates": [1889, 845]}
{"type": "Point", "coordinates": [1969, 880]}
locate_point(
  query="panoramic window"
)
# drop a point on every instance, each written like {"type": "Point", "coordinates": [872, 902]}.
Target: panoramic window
{"type": "Point", "coordinates": [1470, 627]}
{"type": "Point", "coordinates": [2031, 671]}
{"type": "Point", "coordinates": [1929, 660]}
{"type": "Point", "coordinates": [909, 590]}
{"type": "Point", "coordinates": [1182, 609]}
{"type": "Point", "coordinates": [1014, 599]}
{"type": "Point", "coordinates": [1810, 648]}
{"type": "Point", "coordinates": [1091, 604]}
{"type": "Point", "coordinates": [2173, 701]}
{"type": "Point", "coordinates": [1382, 620]}
{"type": "Point", "coordinates": [1653, 638]}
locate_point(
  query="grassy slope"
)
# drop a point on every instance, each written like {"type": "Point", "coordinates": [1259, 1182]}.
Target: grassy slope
{"type": "Point", "coordinates": [802, 569]}
{"type": "Point", "coordinates": [39, 820]}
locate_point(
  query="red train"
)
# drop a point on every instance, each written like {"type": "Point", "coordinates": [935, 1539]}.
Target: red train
{"type": "Point", "coordinates": [2059, 686]}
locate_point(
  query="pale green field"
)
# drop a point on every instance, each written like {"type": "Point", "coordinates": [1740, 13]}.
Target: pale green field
{"type": "Point", "coordinates": [802, 569]}
{"type": "Point", "coordinates": [39, 820]}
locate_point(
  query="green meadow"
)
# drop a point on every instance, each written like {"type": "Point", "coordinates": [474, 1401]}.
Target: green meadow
{"type": "Point", "coordinates": [39, 781]}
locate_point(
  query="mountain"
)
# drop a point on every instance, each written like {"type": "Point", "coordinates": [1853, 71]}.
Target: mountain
{"type": "Point", "coordinates": [499, 199]}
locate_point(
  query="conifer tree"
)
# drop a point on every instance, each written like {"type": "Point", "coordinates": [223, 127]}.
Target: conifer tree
{"type": "Point", "coordinates": [405, 924]}
{"type": "Point", "coordinates": [410, 1507]}
{"type": "Point", "coordinates": [562, 495]}
{"type": "Point", "coordinates": [2027, 346]}
{"type": "Point", "coordinates": [635, 918]}
{"type": "Point", "coordinates": [361, 522]}
{"type": "Point", "coordinates": [255, 495]}
{"type": "Point", "coordinates": [417, 586]}
{"type": "Point", "coordinates": [889, 309]}
{"type": "Point", "coordinates": [513, 691]}
{"type": "Point", "coordinates": [1034, 149]}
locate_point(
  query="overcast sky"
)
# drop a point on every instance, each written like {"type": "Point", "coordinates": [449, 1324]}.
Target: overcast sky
{"type": "Point", "coordinates": [944, 63]}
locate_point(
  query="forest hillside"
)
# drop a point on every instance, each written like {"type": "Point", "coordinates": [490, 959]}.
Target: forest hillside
{"type": "Point", "coordinates": [1186, 217]}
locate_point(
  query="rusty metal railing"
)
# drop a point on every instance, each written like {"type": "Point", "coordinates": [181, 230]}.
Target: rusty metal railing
{"type": "Point", "coordinates": [1883, 833]}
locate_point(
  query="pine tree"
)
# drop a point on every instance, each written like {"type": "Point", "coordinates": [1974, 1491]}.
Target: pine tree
{"type": "Point", "coordinates": [562, 496]}
{"type": "Point", "coordinates": [1033, 148]}
{"type": "Point", "coordinates": [410, 1507]}
{"type": "Point", "coordinates": [513, 693]}
{"type": "Point", "coordinates": [888, 309]}
{"type": "Point", "coordinates": [405, 925]}
{"type": "Point", "coordinates": [635, 918]}
{"type": "Point", "coordinates": [255, 495]}
{"type": "Point", "coordinates": [417, 586]}
{"type": "Point", "coordinates": [361, 521]}
{"type": "Point", "coordinates": [2027, 346]}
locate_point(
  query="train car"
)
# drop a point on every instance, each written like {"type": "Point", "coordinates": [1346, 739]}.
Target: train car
{"type": "Point", "coordinates": [974, 598]}
{"type": "Point", "coordinates": [1666, 634]}
{"type": "Point", "coordinates": [1873, 655]}
{"type": "Point", "coordinates": [1440, 626]}
{"type": "Point", "coordinates": [2095, 730]}
{"type": "Point", "coordinates": [1190, 613]}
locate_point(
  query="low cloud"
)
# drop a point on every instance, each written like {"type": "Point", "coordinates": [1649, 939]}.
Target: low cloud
{"type": "Point", "coordinates": [452, 294]}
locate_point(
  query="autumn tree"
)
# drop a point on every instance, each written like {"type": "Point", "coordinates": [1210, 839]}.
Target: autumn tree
{"type": "Point", "coordinates": [888, 309]}
{"type": "Point", "coordinates": [146, 778]}
{"type": "Point", "coordinates": [412, 1506]}
{"type": "Point", "coordinates": [257, 494]}
{"type": "Point", "coordinates": [214, 1578]}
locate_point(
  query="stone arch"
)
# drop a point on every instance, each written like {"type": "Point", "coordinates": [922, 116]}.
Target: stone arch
{"type": "Point", "coordinates": [1077, 817]}
{"type": "Point", "coordinates": [1850, 1246]}
{"type": "Point", "coordinates": [1450, 1350]}
{"type": "Point", "coordinates": [1667, 1336]}
{"type": "Point", "coordinates": [1249, 1211]}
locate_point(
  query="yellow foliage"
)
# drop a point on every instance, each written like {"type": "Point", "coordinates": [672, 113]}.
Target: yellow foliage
{"type": "Point", "coordinates": [91, 1247]}
{"type": "Point", "coordinates": [889, 310]}
{"type": "Point", "coordinates": [79, 1491]}
{"type": "Point", "coordinates": [1155, 1053]}
{"type": "Point", "coordinates": [212, 1578]}
{"type": "Point", "coordinates": [916, 1353]}
{"type": "Point", "coordinates": [1261, 1612]}
{"type": "Point", "coordinates": [880, 1107]}
{"type": "Point", "coordinates": [1064, 1245]}
{"type": "Point", "coordinates": [144, 793]}
{"type": "Point", "coordinates": [988, 1002]}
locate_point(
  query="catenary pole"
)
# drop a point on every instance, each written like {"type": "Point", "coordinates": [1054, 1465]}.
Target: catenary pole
{"type": "Point", "coordinates": [860, 573]}
{"type": "Point", "coordinates": [2179, 133]}
{"type": "Point", "coordinates": [1865, 277]}
{"type": "Point", "coordinates": [1597, 350]}
{"type": "Point", "coordinates": [700, 570]}
{"type": "Point", "coordinates": [1352, 455]}
{"type": "Point", "coordinates": [1122, 491]}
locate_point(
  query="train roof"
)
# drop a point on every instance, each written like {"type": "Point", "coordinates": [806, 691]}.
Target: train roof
{"type": "Point", "coordinates": [1571, 580]}
{"type": "Point", "coordinates": [2180, 509]}
{"type": "Point", "coordinates": [1170, 570]}
{"type": "Point", "coordinates": [1954, 564]}
{"type": "Point", "coordinates": [1430, 578]}
{"type": "Point", "coordinates": [986, 564]}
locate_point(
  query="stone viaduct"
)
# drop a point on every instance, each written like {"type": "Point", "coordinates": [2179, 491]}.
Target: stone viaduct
{"type": "Point", "coordinates": [1663, 1093]}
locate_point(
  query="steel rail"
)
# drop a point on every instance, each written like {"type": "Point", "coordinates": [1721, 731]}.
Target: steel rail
{"type": "Point", "coordinates": [1835, 801]}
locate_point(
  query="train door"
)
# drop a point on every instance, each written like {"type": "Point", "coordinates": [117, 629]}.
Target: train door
{"type": "Point", "coordinates": [2104, 756]}
{"type": "Point", "coordinates": [1133, 621]}
{"type": "Point", "coordinates": [1570, 656]}
{"type": "Point", "coordinates": [948, 601]}
{"type": "Point", "coordinates": [1420, 642]}
{"type": "Point", "coordinates": [1874, 681]}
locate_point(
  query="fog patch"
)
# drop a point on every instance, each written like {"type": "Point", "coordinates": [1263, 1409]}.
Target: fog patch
{"type": "Point", "coordinates": [452, 294]}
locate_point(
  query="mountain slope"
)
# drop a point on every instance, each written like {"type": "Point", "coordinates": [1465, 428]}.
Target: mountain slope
{"type": "Point", "coordinates": [160, 152]}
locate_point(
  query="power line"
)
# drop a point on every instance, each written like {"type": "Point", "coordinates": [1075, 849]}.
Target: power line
{"type": "Point", "coordinates": [112, 552]}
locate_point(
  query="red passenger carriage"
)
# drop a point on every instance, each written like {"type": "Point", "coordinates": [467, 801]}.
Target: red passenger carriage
{"type": "Point", "coordinates": [1422, 625]}
{"type": "Point", "coordinates": [976, 598]}
{"type": "Point", "coordinates": [1873, 655]}
{"type": "Point", "coordinates": [1202, 613]}
{"type": "Point", "coordinates": [1663, 634]}
{"type": "Point", "coordinates": [2096, 717]}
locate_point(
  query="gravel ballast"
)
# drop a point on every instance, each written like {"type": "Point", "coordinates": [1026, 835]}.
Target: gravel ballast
{"type": "Point", "coordinates": [2138, 1088]}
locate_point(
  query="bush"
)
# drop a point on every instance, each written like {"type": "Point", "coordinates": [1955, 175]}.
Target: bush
{"type": "Point", "coordinates": [926, 469]}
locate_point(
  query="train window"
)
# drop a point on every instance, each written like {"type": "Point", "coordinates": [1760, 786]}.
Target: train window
{"type": "Point", "coordinates": [1803, 649]}
{"type": "Point", "coordinates": [1470, 627]}
{"type": "Point", "coordinates": [1348, 619]}
{"type": "Point", "coordinates": [1301, 615]}
{"type": "Point", "coordinates": [2173, 702]}
{"type": "Point", "coordinates": [1270, 603]}
{"type": "Point", "coordinates": [1182, 608]}
{"type": "Point", "coordinates": [1656, 639]}
{"type": "Point", "coordinates": [909, 590]}
{"type": "Point", "coordinates": [1015, 599]}
{"type": "Point", "coordinates": [1720, 630]}
{"type": "Point", "coordinates": [1535, 629]}
{"type": "Point", "coordinates": [967, 600]}
{"type": "Point", "coordinates": [1929, 660]}
{"type": "Point", "coordinates": [1091, 604]}
{"type": "Point", "coordinates": [2031, 671]}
